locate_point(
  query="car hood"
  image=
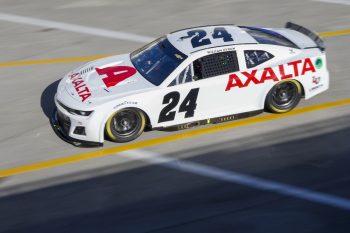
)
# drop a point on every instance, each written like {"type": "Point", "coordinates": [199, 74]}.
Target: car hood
{"type": "Point", "coordinates": [102, 80]}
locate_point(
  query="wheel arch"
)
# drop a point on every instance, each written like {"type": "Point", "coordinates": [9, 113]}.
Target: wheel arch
{"type": "Point", "coordinates": [262, 104]}
{"type": "Point", "coordinates": [106, 117]}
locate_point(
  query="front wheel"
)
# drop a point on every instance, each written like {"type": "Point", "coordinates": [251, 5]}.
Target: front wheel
{"type": "Point", "coordinates": [284, 96]}
{"type": "Point", "coordinates": [125, 125]}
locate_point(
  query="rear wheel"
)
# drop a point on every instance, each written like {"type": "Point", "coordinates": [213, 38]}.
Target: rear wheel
{"type": "Point", "coordinates": [125, 125]}
{"type": "Point", "coordinates": [284, 96]}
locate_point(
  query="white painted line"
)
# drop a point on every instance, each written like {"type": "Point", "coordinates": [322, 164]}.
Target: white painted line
{"type": "Point", "coordinates": [238, 178]}
{"type": "Point", "coordinates": [84, 3]}
{"type": "Point", "coordinates": [75, 28]}
{"type": "Point", "coordinates": [342, 2]}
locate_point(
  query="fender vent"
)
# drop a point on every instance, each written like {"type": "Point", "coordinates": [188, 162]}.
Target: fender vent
{"type": "Point", "coordinates": [86, 70]}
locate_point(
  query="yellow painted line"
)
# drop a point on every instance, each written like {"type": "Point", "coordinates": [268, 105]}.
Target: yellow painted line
{"type": "Point", "coordinates": [166, 139]}
{"type": "Point", "coordinates": [335, 33]}
{"type": "Point", "coordinates": [93, 57]}
{"type": "Point", "coordinates": [51, 61]}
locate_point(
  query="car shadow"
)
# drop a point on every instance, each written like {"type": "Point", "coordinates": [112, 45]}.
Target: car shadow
{"type": "Point", "coordinates": [47, 101]}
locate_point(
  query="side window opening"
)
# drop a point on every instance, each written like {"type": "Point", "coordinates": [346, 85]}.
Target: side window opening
{"type": "Point", "coordinates": [256, 57]}
{"type": "Point", "coordinates": [215, 64]}
{"type": "Point", "coordinates": [184, 77]}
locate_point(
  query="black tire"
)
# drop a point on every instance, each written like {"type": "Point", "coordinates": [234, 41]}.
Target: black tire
{"type": "Point", "coordinates": [284, 96]}
{"type": "Point", "coordinates": [125, 125]}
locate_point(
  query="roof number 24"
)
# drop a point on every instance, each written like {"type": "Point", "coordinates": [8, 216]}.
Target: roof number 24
{"type": "Point", "coordinates": [198, 36]}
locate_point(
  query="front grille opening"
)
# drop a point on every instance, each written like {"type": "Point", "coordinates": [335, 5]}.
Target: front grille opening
{"type": "Point", "coordinates": [79, 130]}
{"type": "Point", "coordinates": [64, 122]}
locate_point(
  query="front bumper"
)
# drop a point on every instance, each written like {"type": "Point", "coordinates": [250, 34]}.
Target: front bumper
{"type": "Point", "coordinates": [60, 129]}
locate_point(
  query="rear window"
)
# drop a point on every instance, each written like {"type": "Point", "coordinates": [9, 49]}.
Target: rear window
{"type": "Point", "coordinates": [256, 57]}
{"type": "Point", "coordinates": [265, 36]}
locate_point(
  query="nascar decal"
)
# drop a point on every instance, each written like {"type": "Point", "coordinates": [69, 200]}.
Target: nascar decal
{"type": "Point", "coordinates": [80, 86]}
{"type": "Point", "coordinates": [115, 74]}
{"type": "Point", "coordinates": [284, 71]}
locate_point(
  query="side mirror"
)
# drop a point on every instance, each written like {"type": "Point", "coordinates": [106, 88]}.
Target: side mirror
{"type": "Point", "coordinates": [195, 78]}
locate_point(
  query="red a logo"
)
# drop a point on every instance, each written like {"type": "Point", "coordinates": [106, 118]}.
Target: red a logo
{"type": "Point", "coordinates": [115, 74]}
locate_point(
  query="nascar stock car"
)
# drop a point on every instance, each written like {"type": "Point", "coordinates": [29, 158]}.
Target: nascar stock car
{"type": "Point", "coordinates": [203, 74]}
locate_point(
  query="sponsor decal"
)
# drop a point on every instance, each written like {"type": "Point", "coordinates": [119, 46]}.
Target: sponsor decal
{"type": "Point", "coordinates": [178, 56]}
{"type": "Point", "coordinates": [315, 87]}
{"type": "Point", "coordinates": [283, 71]}
{"type": "Point", "coordinates": [115, 74]}
{"type": "Point", "coordinates": [319, 63]}
{"type": "Point", "coordinates": [316, 80]}
{"type": "Point", "coordinates": [80, 86]}
{"type": "Point", "coordinates": [220, 50]}
{"type": "Point", "coordinates": [124, 103]}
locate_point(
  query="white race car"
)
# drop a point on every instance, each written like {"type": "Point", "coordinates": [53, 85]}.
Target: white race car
{"type": "Point", "coordinates": [193, 76]}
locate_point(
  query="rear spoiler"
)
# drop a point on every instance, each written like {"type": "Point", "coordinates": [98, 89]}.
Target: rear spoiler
{"type": "Point", "coordinates": [312, 35]}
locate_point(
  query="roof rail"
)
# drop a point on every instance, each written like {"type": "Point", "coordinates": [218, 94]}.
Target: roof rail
{"type": "Point", "coordinates": [212, 25]}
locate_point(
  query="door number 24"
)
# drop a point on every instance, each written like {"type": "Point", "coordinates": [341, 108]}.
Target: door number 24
{"type": "Point", "coordinates": [188, 105]}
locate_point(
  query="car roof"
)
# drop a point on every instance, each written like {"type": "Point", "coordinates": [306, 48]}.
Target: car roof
{"type": "Point", "coordinates": [181, 40]}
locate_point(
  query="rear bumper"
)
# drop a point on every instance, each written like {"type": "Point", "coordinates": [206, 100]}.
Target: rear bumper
{"type": "Point", "coordinates": [61, 132]}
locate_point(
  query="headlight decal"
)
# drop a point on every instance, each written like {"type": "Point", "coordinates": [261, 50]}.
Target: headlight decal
{"type": "Point", "coordinates": [74, 111]}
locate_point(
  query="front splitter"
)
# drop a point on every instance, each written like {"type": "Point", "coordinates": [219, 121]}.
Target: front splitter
{"type": "Point", "coordinates": [61, 134]}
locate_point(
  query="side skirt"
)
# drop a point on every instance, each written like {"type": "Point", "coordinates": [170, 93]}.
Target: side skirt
{"type": "Point", "coordinates": [209, 121]}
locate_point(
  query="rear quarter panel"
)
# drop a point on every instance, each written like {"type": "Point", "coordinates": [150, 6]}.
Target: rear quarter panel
{"type": "Point", "coordinates": [308, 66]}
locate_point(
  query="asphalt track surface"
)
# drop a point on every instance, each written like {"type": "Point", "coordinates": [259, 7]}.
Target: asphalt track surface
{"type": "Point", "coordinates": [271, 174]}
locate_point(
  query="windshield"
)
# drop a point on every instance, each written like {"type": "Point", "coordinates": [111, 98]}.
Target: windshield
{"type": "Point", "coordinates": [157, 60]}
